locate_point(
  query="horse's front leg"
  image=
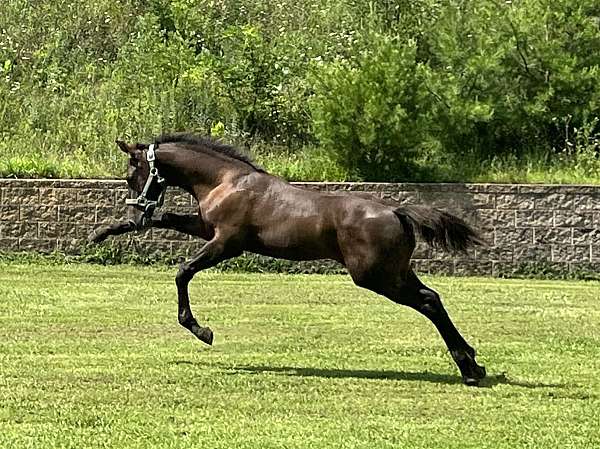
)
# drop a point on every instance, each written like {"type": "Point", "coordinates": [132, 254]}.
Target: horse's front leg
{"type": "Point", "coordinates": [100, 234]}
{"type": "Point", "coordinates": [215, 251]}
{"type": "Point", "coordinates": [186, 224]}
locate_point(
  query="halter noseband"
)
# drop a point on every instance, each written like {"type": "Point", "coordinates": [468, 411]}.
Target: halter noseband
{"type": "Point", "coordinates": [142, 202]}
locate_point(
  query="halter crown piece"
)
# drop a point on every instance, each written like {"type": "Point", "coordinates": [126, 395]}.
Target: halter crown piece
{"type": "Point", "coordinates": [148, 206]}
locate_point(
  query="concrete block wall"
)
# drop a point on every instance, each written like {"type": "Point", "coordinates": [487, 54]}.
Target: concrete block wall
{"type": "Point", "coordinates": [557, 227]}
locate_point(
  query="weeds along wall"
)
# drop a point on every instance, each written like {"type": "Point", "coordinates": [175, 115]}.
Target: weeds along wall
{"type": "Point", "coordinates": [529, 228]}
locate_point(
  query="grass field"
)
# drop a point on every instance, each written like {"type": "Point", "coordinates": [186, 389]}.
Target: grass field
{"type": "Point", "coordinates": [93, 357]}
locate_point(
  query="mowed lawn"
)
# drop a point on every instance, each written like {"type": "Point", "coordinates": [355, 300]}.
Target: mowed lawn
{"type": "Point", "coordinates": [93, 357]}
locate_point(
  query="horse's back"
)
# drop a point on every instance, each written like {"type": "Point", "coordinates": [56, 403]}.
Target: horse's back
{"type": "Point", "coordinates": [299, 223]}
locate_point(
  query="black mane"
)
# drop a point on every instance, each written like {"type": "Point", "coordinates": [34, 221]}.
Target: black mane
{"type": "Point", "coordinates": [199, 143]}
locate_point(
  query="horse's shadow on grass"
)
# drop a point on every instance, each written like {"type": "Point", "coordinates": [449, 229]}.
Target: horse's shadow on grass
{"type": "Point", "coordinates": [407, 376]}
{"type": "Point", "coordinates": [425, 376]}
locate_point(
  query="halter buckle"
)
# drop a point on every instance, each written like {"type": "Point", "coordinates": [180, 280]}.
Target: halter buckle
{"type": "Point", "coordinates": [151, 155]}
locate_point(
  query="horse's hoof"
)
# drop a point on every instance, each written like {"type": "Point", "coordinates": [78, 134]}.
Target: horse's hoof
{"type": "Point", "coordinates": [205, 335]}
{"type": "Point", "coordinates": [471, 381]}
{"type": "Point", "coordinates": [477, 374]}
{"type": "Point", "coordinates": [481, 372]}
{"type": "Point", "coordinates": [96, 237]}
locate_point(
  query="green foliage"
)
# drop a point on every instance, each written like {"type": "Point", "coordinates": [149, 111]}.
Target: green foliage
{"type": "Point", "coordinates": [508, 72]}
{"type": "Point", "coordinates": [487, 78]}
{"type": "Point", "coordinates": [128, 254]}
{"type": "Point", "coordinates": [404, 90]}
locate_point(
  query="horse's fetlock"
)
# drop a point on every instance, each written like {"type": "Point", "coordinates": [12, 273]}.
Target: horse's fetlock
{"type": "Point", "coordinates": [186, 319]}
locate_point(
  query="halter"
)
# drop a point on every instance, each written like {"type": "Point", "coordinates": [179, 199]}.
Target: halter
{"type": "Point", "coordinates": [142, 202]}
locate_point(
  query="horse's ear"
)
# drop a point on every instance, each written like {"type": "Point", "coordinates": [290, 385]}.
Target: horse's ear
{"type": "Point", "coordinates": [129, 149]}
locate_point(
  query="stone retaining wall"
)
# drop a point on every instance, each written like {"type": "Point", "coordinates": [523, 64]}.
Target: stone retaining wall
{"type": "Point", "coordinates": [544, 226]}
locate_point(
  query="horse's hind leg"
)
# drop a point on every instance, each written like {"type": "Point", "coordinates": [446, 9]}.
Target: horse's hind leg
{"type": "Point", "coordinates": [411, 292]}
{"type": "Point", "coordinates": [426, 301]}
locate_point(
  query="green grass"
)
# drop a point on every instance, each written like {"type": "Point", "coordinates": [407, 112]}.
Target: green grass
{"type": "Point", "coordinates": [93, 357]}
{"type": "Point", "coordinates": [309, 164]}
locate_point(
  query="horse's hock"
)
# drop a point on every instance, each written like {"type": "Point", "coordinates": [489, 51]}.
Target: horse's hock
{"type": "Point", "coordinates": [551, 228]}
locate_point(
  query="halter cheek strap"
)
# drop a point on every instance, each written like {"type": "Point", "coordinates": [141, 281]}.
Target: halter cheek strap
{"type": "Point", "coordinates": [142, 202]}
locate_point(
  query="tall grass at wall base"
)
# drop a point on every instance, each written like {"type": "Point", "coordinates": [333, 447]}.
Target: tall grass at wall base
{"type": "Point", "coordinates": [142, 255]}
{"type": "Point", "coordinates": [40, 166]}
{"type": "Point", "coordinates": [118, 254]}
{"type": "Point", "coordinates": [317, 164]}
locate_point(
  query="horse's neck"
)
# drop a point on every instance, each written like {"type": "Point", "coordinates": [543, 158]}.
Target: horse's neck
{"type": "Point", "coordinates": [227, 176]}
{"type": "Point", "coordinates": [198, 174]}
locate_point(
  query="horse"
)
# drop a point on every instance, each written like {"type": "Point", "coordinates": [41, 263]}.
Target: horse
{"type": "Point", "coordinates": [241, 208]}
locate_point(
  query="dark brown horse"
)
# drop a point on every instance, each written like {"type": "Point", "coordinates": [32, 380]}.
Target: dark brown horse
{"type": "Point", "coordinates": [243, 208]}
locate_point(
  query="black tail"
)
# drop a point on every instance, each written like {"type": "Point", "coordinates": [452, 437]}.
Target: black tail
{"type": "Point", "coordinates": [439, 228]}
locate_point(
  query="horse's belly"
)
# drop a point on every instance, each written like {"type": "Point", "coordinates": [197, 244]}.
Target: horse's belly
{"type": "Point", "coordinates": [296, 243]}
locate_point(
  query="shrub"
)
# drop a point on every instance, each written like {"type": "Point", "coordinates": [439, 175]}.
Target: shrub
{"type": "Point", "coordinates": [374, 112]}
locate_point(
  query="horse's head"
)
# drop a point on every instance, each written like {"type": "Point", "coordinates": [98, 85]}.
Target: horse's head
{"type": "Point", "coordinates": [146, 186]}
{"type": "Point", "coordinates": [137, 168]}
